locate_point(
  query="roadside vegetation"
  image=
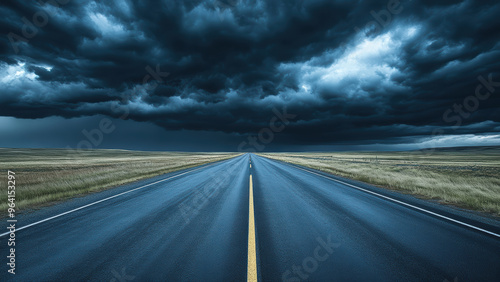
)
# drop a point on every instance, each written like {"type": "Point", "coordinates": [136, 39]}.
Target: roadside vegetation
{"type": "Point", "coordinates": [44, 176]}
{"type": "Point", "coordinates": [464, 177]}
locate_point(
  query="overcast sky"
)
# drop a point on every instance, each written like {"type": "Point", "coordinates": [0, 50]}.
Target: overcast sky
{"type": "Point", "coordinates": [247, 75]}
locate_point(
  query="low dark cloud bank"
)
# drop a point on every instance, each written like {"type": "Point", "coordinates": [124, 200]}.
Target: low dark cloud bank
{"type": "Point", "coordinates": [353, 72]}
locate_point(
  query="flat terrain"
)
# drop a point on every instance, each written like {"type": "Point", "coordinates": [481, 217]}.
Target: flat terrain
{"type": "Point", "coordinates": [193, 225]}
{"type": "Point", "coordinates": [466, 177]}
{"type": "Point", "coordinates": [45, 176]}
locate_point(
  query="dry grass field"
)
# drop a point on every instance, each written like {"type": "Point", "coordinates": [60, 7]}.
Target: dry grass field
{"type": "Point", "coordinates": [465, 177]}
{"type": "Point", "coordinates": [45, 176]}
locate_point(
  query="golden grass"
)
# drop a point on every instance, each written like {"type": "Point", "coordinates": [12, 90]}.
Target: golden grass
{"type": "Point", "coordinates": [44, 176]}
{"type": "Point", "coordinates": [465, 178]}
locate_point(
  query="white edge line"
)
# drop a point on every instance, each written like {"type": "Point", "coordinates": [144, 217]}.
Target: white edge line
{"type": "Point", "coordinates": [403, 203]}
{"type": "Point", "coordinates": [102, 200]}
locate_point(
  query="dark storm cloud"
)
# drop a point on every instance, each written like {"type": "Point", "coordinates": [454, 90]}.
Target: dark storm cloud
{"type": "Point", "coordinates": [229, 63]}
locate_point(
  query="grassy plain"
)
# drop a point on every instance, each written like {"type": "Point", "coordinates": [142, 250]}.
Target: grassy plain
{"type": "Point", "coordinates": [466, 177]}
{"type": "Point", "coordinates": [44, 176]}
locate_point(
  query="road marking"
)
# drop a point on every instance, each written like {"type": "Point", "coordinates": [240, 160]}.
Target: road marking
{"type": "Point", "coordinates": [102, 200]}
{"type": "Point", "coordinates": [252, 254]}
{"type": "Point", "coordinates": [250, 165]}
{"type": "Point", "coordinates": [405, 204]}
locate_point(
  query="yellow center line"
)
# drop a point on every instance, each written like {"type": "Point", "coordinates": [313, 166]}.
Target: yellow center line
{"type": "Point", "coordinates": [252, 254]}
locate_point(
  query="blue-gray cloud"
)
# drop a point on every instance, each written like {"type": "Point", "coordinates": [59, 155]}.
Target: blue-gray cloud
{"type": "Point", "coordinates": [353, 71]}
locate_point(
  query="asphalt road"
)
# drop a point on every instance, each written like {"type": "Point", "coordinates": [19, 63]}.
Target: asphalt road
{"type": "Point", "coordinates": [193, 225]}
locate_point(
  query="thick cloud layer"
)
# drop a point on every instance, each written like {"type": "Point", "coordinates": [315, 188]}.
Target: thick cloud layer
{"type": "Point", "coordinates": [351, 71]}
